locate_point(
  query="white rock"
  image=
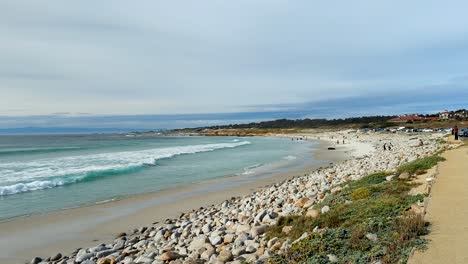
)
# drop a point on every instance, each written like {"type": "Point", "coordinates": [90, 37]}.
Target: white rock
{"type": "Point", "coordinates": [325, 209]}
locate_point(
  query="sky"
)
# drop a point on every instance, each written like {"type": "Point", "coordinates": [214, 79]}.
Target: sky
{"type": "Point", "coordinates": [159, 64]}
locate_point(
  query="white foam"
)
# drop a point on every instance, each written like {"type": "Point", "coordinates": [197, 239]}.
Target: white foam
{"type": "Point", "coordinates": [290, 157]}
{"type": "Point", "coordinates": [20, 177]}
{"type": "Point", "coordinates": [30, 186]}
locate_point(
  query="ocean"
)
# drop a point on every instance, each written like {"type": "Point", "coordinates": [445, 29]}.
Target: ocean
{"type": "Point", "coordinates": [43, 173]}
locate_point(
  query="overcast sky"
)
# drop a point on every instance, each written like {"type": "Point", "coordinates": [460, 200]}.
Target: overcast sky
{"type": "Point", "coordinates": [87, 58]}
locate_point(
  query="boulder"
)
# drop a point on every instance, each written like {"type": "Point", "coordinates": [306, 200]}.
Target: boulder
{"type": "Point", "coordinates": [404, 176]}
{"type": "Point", "coordinates": [198, 243]}
{"type": "Point", "coordinates": [225, 256]}
{"type": "Point", "coordinates": [325, 209]}
{"type": "Point", "coordinates": [286, 229]}
{"type": "Point", "coordinates": [301, 202]}
{"type": "Point", "coordinates": [169, 256]}
{"type": "Point", "coordinates": [122, 234]}
{"type": "Point", "coordinates": [36, 260]}
{"type": "Point", "coordinates": [56, 257]}
{"type": "Point", "coordinates": [258, 230]}
{"type": "Point", "coordinates": [312, 213]}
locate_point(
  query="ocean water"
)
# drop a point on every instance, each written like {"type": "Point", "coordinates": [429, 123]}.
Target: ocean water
{"type": "Point", "coordinates": [43, 173]}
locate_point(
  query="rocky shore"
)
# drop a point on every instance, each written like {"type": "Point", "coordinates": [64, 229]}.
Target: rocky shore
{"type": "Point", "coordinates": [234, 231]}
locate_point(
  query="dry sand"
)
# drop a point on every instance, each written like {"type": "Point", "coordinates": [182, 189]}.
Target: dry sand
{"type": "Point", "coordinates": [23, 238]}
{"type": "Point", "coordinates": [448, 213]}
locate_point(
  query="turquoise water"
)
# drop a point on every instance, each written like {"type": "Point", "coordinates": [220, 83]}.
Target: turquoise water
{"type": "Point", "coordinates": [44, 173]}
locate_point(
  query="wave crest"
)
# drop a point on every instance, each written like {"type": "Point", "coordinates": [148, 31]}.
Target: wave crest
{"type": "Point", "coordinates": [46, 174]}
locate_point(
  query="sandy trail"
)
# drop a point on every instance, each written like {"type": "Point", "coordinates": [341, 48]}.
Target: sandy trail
{"type": "Point", "coordinates": [448, 212]}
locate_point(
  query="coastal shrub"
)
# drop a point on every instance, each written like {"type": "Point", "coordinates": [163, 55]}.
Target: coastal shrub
{"type": "Point", "coordinates": [420, 164]}
{"type": "Point", "coordinates": [369, 205]}
{"type": "Point", "coordinates": [411, 226]}
{"type": "Point", "coordinates": [361, 193]}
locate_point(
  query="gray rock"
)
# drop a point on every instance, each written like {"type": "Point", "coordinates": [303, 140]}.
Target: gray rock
{"type": "Point", "coordinates": [105, 253]}
{"type": "Point", "coordinates": [238, 251]}
{"type": "Point", "coordinates": [56, 257]}
{"type": "Point", "coordinates": [36, 260]}
{"type": "Point", "coordinates": [82, 255]}
{"type": "Point", "coordinates": [206, 228]}
{"type": "Point", "coordinates": [258, 230]}
{"type": "Point", "coordinates": [250, 249]}
{"type": "Point", "coordinates": [249, 258]}
{"type": "Point", "coordinates": [88, 262]}
{"type": "Point", "coordinates": [97, 248]}
{"type": "Point", "coordinates": [216, 240]}
{"type": "Point", "coordinates": [198, 243]}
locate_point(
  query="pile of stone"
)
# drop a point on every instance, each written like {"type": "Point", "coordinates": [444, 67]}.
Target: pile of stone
{"type": "Point", "coordinates": [234, 231]}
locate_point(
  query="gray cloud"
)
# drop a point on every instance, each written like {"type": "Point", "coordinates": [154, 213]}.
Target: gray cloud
{"type": "Point", "coordinates": [164, 57]}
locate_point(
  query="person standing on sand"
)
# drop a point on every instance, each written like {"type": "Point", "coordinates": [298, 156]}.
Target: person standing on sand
{"type": "Point", "coordinates": [455, 132]}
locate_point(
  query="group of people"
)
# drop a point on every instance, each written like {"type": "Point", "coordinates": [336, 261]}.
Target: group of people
{"type": "Point", "coordinates": [387, 146]}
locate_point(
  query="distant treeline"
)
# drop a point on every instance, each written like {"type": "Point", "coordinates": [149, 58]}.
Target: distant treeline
{"type": "Point", "coordinates": [310, 123]}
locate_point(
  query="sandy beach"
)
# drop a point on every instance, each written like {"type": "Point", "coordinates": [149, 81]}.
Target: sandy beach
{"type": "Point", "coordinates": [63, 231]}
{"type": "Point", "coordinates": [220, 221]}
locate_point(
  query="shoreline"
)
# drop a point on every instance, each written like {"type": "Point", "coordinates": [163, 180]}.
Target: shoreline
{"type": "Point", "coordinates": [22, 238]}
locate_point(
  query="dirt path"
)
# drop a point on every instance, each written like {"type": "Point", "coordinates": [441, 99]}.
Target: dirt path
{"type": "Point", "coordinates": [448, 213]}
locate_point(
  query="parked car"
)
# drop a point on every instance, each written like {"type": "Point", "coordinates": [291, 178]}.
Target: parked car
{"type": "Point", "coordinates": [463, 132]}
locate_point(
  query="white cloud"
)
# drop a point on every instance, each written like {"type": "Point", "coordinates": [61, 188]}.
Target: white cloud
{"type": "Point", "coordinates": [160, 57]}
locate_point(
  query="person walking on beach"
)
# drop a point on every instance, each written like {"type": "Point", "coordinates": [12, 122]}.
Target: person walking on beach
{"type": "Point", "coordinates": [455, 132]}
{"type": "Point", "coordinates": [385, 146]}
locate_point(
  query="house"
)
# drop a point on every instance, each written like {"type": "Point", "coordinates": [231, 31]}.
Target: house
{"type": "Point", "coordinates": [444, 115]}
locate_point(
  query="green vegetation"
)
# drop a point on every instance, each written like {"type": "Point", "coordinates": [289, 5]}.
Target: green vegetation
{"type": "Point", "coordinates": [419, 166]}
{"type": "Point", "coordinates": [371, 205]}
{"type": "Point", "coordinates": [309, 123]}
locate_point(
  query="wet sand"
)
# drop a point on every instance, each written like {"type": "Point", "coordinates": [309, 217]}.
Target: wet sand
{"type": "Point", "coordinates": [64, 231]}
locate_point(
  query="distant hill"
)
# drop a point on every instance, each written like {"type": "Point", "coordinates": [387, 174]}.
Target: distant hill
{"type": "Point", "coordinates": [308, 123]}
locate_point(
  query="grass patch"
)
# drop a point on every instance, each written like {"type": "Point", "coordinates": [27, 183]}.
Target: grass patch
{"type": "Point", "coordinates": [420, 165]}
{"type": "Point", "coordinates": [369, 205]}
